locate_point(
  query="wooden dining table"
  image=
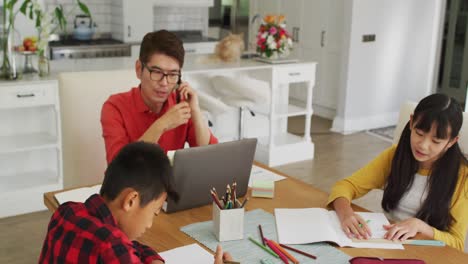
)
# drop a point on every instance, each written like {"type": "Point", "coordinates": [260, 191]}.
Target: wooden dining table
{"type": "Point", "coordinates": [165, 232]}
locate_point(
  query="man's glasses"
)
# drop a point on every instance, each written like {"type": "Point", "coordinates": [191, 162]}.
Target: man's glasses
{"type": "Point", "coordinates": [157, 75]}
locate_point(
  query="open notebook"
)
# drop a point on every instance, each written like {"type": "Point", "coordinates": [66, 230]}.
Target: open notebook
{"type": "Point", "coordinates": [192, 253]}
{"type": "Point", "coordinates": [77, 195]}
{"type": "Point", "coordinates": [310, 225]}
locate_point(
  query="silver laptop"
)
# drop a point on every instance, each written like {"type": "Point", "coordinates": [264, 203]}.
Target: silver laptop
{"type": "Point", "coordinates": [197, 170]}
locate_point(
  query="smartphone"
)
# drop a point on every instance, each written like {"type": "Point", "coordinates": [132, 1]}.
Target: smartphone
{"type": "Point", "coordinates": [177, 88]}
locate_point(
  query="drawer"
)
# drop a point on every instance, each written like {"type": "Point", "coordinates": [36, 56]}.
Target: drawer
{"type": "Point", "coordinates": [295, 73]}
{"type": "Point", "coordinates": [27, 95]}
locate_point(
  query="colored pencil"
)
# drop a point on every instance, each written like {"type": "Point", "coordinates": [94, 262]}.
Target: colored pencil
{"type": "Point", "coordinates": [299, 251]}
{"type": "Point", "coordinates": [261, 234]}
{"type": "Point", "coordinates": [277, 251]}
{"type": "Point", "coordinates": [289, 256]}
{"type": "Point", "coordinates": [264, 247]}
{"type": "Point", "coordinates": [215, 199]}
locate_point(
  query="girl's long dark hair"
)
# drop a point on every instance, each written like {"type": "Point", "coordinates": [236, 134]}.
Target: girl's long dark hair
{"type": "Point", "coordinates": [445, 113]}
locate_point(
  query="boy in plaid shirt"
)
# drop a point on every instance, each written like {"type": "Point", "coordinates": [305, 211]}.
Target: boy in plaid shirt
{"type": "Point", "coordinates": [103, 229]}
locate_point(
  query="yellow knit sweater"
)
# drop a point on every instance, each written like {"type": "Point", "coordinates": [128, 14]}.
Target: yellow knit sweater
{"type": "Point", "coordinates": [374, 175]}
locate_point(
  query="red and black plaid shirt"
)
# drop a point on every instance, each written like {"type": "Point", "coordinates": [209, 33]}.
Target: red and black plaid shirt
{"type": "Point", "coordinates": [88, 233]}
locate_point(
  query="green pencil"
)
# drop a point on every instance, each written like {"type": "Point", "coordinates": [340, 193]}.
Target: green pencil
{"type": "Point", "coordinates": [263, 247]}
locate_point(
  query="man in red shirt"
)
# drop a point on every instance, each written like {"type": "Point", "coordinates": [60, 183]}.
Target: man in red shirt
{"type": "Point", "coordinates": [163, 109]}
{"type": "Point", "coordinates": [103, 229]}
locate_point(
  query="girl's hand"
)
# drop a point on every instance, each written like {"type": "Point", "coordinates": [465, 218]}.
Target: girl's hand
{"type": "Point", "coordinates": [355, 226]}
{"type": "Point", "coordinates": [352, 224]}
{"type": "Point", "coordinates": [404, 229]}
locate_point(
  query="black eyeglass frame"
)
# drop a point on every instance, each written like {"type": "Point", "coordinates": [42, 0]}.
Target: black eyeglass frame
{"type": "Point", "coordinates": [151, 71]}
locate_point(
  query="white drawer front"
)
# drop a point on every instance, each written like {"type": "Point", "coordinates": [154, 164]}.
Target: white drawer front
{"type": "Point", "coordinates": [27, 95]}
{"type": "Point", "coordinates": [292, 74]}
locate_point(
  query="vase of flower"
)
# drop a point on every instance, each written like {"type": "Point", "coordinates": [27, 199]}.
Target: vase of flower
{"type": "Point", "coordinates": [43, 64]}
{"type": "Point", "coordinates": [9, 40]}
{"type": "Point", "coordinates": [273, 41]}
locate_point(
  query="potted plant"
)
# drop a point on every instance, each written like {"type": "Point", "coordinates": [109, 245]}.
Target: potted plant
{"type": "Point", "coordinates": [46, 24]}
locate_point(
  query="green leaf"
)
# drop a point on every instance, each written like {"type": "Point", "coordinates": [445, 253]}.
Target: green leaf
{"type": "Point", "coordinates": [84, 8]}
{"type": "Point", "coordinates": [11, 4]}
{"type": "Point", "coordinates": [31, 13]}
{"type": "Point", "coordinates": [60, 17]}
{"type": "Point", "coordinates": [38, 19]}
{"type": "Point", "coordinates": [24, 6]}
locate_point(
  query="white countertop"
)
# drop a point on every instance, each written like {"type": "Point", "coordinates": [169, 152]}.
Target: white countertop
{"type": "Point", "coordinates": [193, 63]}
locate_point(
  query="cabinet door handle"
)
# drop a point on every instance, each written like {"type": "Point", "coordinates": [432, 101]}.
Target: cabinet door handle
{"type": "Point", "coordinates": [25, 95]}
{"type": "Point", "coordinates": [294, 73]}
{"type": "Point", "coordinates": [190, 50]}
{"type": "Point", "coordinates": [129, 31]}
{"type": "Point", "coordinates": [322, 39]}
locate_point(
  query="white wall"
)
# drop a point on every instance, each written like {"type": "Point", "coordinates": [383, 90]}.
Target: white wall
{"type": "Point", "coordinates": [378, 76]}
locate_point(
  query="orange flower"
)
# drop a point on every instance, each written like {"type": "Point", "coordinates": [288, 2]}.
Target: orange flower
{"type": "Point", "coordinates": [269, 19]}
{"type": "Point", "coordinates": [281, 18]}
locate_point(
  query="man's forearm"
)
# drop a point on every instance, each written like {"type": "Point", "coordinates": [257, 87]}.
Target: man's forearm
{"type": "Point", "coordinates": [202, 132]}
{"type": "Point", "coordinates": [153, 133]}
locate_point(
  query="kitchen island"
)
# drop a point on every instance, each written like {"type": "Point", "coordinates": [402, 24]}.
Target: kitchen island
{"type": "Point", "coordinates": [85, 84]}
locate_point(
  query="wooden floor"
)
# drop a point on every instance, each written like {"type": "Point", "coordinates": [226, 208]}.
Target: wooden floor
{"type": "Point", "coordinates": [336, 156]}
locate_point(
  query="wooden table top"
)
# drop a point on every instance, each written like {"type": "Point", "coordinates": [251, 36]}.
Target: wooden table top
{"type": "Point", "coordinates": [165, 233]}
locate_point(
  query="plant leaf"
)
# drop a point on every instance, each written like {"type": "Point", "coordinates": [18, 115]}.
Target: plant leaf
{"type": "Point", "coordinates": [24, 6]}
{"type": "Point", "coordinates": [60, 17]}
{"type": "Point", "coordinates": [38, 19]}
{"type": "Point", "coordinates": [11, 4]}
{"type": "Point", "coordinates": [31, 13]}
{"type": "Point", "coordinates": [84, 8]}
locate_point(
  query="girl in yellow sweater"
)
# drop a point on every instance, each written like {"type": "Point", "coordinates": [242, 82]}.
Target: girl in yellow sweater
{"type": "Point", "coordinates": [424, 179]}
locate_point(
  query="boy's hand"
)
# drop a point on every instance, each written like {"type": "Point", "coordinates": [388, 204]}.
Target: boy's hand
{"type": "Point", "coordinates": [220, 257]}
{"type": "Point", "coordinates": [157, 262]}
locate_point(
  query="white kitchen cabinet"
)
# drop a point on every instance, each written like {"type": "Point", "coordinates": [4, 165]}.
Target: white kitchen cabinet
{"type": "Point", "coordinates": [131, 20]}
{"type": "Point", "coordinates": [30, 145]}
{"type": "Point", "coordinates": [279, 146]}
{"type": "Point", "coordinates": [207, 3]}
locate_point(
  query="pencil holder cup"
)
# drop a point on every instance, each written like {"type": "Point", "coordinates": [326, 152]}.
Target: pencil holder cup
{"type": "Point", "coordinates": [228, 224]}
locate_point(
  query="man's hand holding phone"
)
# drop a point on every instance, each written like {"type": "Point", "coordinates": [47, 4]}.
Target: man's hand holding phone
{"type": "Point", "coordinates": [188, 94]}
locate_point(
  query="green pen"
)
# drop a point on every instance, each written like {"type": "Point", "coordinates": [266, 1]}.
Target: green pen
{"type": "Point", "coordinates": [367, 221]}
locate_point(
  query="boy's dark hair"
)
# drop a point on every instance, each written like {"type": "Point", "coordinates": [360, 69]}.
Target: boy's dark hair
{"type": "Point", "coordinates": [163, 42]}
{"type": "Point", "coordinates": [445, 112]}
{"type": "Point", "coordinates": [143, 167]}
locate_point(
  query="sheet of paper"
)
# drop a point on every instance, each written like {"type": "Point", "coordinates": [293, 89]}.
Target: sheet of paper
{"type": "Point", "coordinates": [303, 226]}
{"type": "Point", "coordinates": [192, 253]}
{"type": "Point", "coordinates": [375, 223]}
{"type": "Point", "coordinates": [259, 173]}
{"type": "Point", "coordinates": [77, 195]}
{"type": "Point", "coordinates": [310, 225]}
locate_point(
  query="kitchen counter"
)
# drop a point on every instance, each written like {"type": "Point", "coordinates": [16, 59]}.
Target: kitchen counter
{"type": "Point", "coordinates": [193, 63]}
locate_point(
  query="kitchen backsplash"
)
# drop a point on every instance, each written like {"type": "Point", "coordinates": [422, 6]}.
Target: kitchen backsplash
{"type": "Point", "coordinates": [108, 16]}
{"type": "Point", "coordinates": [99, 10]}
{"type": "Point", "coordinates": [181, 18]}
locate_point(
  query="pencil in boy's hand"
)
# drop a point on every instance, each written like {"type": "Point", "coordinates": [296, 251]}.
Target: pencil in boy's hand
{"type": "Point", "coordinates": [299, 251]}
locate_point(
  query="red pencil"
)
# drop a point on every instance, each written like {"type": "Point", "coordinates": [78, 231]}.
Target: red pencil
{"type": "Point", "coordinates": [277, 251]}
{"type": "Point", "coordinates": [298, 251]}
{"type": "Point", "coordinates": [215, 199]}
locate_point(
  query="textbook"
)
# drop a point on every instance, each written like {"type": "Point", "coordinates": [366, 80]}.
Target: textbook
{"type": "Point", "coordinates": [311, 225]}
{"type": "Point", "coordinates": [77, 195]}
